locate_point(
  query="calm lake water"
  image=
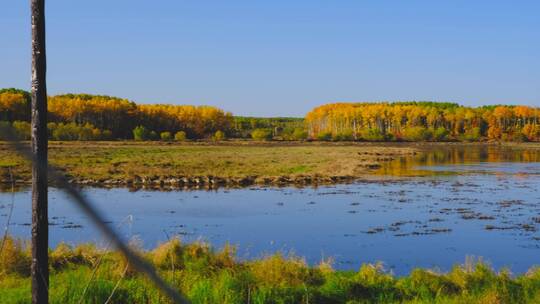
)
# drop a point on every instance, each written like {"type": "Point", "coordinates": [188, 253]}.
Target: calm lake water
{"type": "Point", "coordinates": [431, 210]}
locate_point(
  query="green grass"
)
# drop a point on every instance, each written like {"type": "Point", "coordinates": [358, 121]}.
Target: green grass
{"type": "Point", "coordinates": [208, 276]}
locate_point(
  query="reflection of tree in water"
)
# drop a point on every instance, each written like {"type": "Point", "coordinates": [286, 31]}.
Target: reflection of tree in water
{"type": "Point", "coordinates": [458, 155]}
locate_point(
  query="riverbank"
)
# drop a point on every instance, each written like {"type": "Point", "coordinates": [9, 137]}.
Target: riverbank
{"type": "Point", "coordinates": [86, 274]}
{"type": "Point", "coordinates": [203, 164]}
{"type": "Point", "coordinates": [214, 164]}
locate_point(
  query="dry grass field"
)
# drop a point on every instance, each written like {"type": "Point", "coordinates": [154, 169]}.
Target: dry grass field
{"type": "Point", "coordinates": [229, 162]}
{"type": "Point", "coordinates": [100, 161]}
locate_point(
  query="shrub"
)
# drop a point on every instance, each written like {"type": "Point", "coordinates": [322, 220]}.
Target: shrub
{"type": "Point", "coordinates": [279, 271]}
{"type": "Point", "coordinates": [519, 137]}
{"type": "Point", "coordinates": [473, 275]}
{"type": "Point", "coordinates": [22, 129]}
{"type": "Point", "coordinates": [154, 135]}
{"type": "Point", "coordinates": [417, 134]}
{"type": "Point", "coordinates": [286, 133]}
{"type": "Point", "coordinates": [5, 130]}
{"type": "Point", "coordinates": [168, 255]}
{"type": "Point", "coordinates": [97, 134]}
{"type": "Point", "coordinates": [390, 137]}
{"type": "Point", "coordinates": [473, 134]}
{"type": "Point", "coordinates": [299, 134]}
{"type": "Point", "coordinates": [141, 133]}
{"type": "Point", "coordinates": [219, 135]}
{"type": "Point", "coordinates": [225, 258]}
{"type": "Point", "coordinates": [51, 126]}
{"type": "Point", "coordinates": [64, 255]}
{"type": "Point", "coordinates": [494, 132]}
{"type": "Point", "coordinates": [372, 281]}
{"type": "Point", "coordinates": [165, 136]}
{"type": "Point", "coordinates": [88, 132]}
{"type": "Point", "coordinates": [14, 257]}
{"type": "Point", "coordinates": [72, 131]}
{"type": "Point", "coordinates": [532, 132]}
{"type": "Point", "coordinates": [180, 136]}
{"type": "Point", "coordinates": [427, 284]}
{"type": "Point", "coordinates": [68, 131]}
{"type": "Point", "coordinates": [343, 136]}
{"type": "Point", "coordinates": [440, 134]}
{"type": "Point", "coordinates": [324, 136]}
{"type": "Point", "coordinates": [106, 135]}
{"type": "Point", "coordinates": [372, 134]}
{"type": "Point", "coordinates": [261, 134]}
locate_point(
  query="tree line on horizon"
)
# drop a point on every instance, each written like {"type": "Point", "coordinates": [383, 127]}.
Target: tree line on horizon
{"type": "Point", "coordinates": [423, 121]}
{"type": "Point", "coordinates": [96, 117]}
{"type": "Point", "coordinates": [101, 117]}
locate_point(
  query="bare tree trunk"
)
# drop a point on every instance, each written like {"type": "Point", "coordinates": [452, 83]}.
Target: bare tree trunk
{"type": "Point", "coordinates": [40, 229]}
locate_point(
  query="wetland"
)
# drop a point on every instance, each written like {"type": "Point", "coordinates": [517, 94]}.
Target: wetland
{"type": "Point", "coordinates": [429, 208]}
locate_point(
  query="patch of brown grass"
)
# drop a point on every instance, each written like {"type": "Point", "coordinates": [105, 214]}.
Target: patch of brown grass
{"type": "Point", "coordinates": [124, 160]}
{"type": "Point", "coordinates": [15, 257]}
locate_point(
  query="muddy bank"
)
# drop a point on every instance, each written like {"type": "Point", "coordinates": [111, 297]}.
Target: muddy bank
{"type": "Point", "coordinates": [212, 166]}
{"type": "Point", "coordinates": [202, 182]}
{"type": "Point", "coordinates": [195, 166]}
{"type": "Point", "coordinates": [430, 221]}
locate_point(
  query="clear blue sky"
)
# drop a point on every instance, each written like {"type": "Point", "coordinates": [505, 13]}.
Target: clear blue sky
{"type": "Point", "coordinates": [282, 57]}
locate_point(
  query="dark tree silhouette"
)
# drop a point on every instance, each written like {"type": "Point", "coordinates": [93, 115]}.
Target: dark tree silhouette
{"type": "Point", "coordinates": [40, 229]}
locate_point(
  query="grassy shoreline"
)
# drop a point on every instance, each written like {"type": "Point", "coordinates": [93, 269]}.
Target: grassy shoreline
{"type": "Point", "coordinates": [215, 164]}
{"type": "Point", "coordinates": [231, 163]}
{"type": "Point", "coordinates": [205, 275]}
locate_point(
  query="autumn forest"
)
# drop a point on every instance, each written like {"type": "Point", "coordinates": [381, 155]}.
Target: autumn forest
{"type": "Point", "coordinates": [99, 117]}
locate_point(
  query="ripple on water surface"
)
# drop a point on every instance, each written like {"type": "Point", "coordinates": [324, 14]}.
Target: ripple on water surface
{"type": "Point", "coordinates": [488, 209]}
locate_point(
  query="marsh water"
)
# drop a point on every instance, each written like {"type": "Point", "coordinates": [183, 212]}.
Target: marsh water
{"type": "Point", "coordinates": [431, 210]}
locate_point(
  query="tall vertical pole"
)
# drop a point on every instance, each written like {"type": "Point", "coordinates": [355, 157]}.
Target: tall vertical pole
{"type": "Point", "coordinates": [40, 228]}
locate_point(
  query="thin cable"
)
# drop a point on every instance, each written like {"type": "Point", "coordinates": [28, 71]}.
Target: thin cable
{"type": "Point", "coordinates": [62, 182]}
{"type": "Point", "coordinates": [9, 214]}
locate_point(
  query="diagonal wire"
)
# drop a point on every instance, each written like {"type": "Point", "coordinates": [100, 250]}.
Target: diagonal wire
{"type": "Point", "coordinates": [117, 284]}
{"type": "Point", "coordinates": [62, 182]}
{"type": "Point", "coordinates": [6, 230]}
{"type": "Point", "coordinates": [98, 263]}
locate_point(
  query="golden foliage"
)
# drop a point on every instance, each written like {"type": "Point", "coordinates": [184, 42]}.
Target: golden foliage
{"type": "Point", "coordinates": [276, 270]}
{"type": "Point", "coordinates": [15, 257]}
{"type": "Point", "coordinates": [120, 116]}
{"type": "Point", "coordinates": [392, 120]}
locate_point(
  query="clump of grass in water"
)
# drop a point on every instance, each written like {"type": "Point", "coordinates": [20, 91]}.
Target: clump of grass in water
{"type": "Point", "coordinates": [205, 275]}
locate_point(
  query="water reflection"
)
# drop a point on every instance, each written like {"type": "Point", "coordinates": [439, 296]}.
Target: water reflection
{"type": "Point", "coordinates": [449, 159]}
